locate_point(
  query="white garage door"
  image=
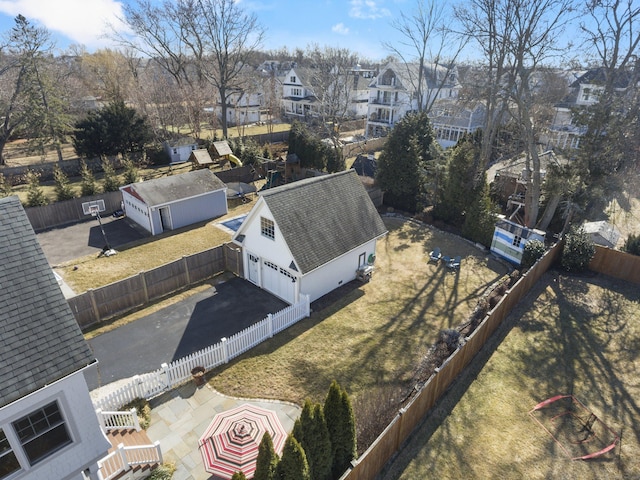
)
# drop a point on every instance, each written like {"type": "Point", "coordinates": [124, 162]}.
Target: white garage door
{"type": "Point", "coordinates": [279, 282]}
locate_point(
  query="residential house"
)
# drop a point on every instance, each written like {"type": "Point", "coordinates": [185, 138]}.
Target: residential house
{"type": "Point", "coordinates": [451, 119]}
{"type": "Point", "coordinates": [584, 92]}
{"type": "Point", "coordinates": [298, 98]}
{"type": "Point", "coordinates": [310, 236]}
{"type": "Point", "coordinates": [175, 201]}
{"type": "Point", "coordinates": [48, 425]}
{"type": "Point", "coordinates": [393, 93]}
{"type": "Point", "coordinates": [180, 149]}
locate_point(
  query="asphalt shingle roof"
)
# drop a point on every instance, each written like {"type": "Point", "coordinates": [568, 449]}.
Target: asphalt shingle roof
{"type": "Point", "coordinates": [41, 340]}
{"type": "Point", "coordinates": [324, 217]}
{"type": "Point", "coordinates": [176, 187]}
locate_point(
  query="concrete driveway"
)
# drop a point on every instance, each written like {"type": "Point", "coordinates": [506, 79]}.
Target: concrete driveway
{"type": "Point", "coordinates": [85, 238]}
{"type": "Point", "coordinates": [179, 330]}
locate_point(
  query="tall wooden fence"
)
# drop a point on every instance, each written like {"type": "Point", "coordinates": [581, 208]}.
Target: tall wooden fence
{"type": "Point", "coordinates": [617, 264]}
{"type": "Point", "coordinates": [397, 432]}
{"type": "Point", "coordinates": [69, 211]}
{"type": "Point", "coordinates": [97, 305]}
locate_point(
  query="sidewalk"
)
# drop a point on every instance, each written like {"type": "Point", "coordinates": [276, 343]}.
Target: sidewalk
{"type": "Point", "coordinates": [180, 416]}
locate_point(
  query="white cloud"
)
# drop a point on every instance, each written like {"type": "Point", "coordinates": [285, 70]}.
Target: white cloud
{"type": "Point", "coordinates": [340, 28]}
{"type": "Point", "coordinates": [82, 21]}
{"type": "Point", "coordinates": [368, 9]}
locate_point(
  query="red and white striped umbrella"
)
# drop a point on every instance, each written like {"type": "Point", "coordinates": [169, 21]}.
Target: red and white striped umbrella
{"type": "Point", "coordinates": [230, 443]}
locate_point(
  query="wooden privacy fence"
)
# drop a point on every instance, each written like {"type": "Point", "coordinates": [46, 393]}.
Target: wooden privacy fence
{"type": "Point", "coordinates": [397, 432]}
{"type": "Point", "coordinates": [97, 305]}
{"type": "Point", "coordinates": [70, 211]}
{"type": "Point", "coordinates": [617, 264]}
{"type": "Point", "coordinates": [175, 373]}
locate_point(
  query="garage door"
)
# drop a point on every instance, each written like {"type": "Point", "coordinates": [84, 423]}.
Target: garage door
{"type": "Point", "coordinates": [278, 281]}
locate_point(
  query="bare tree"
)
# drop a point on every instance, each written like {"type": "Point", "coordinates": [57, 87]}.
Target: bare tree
{"type": "Point", "coordinates": [429, 41]}
{"type": "Point", "coordinates": [516, 38]}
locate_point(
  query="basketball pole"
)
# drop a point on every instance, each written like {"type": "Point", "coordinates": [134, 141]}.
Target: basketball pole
{"type": "Point", "coordinates": [104, 235]}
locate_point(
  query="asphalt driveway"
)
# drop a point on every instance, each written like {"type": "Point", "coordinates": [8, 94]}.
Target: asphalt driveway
{"type": "Point", "coordinates": [85, 238]}
{"type": "Point", "coordinates": [179, 330]}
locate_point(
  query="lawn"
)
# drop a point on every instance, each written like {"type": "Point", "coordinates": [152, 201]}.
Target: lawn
{"type": "Point", "coordinates": [571, 335]}
{"type": "Point", "coordinates": [370, 337]}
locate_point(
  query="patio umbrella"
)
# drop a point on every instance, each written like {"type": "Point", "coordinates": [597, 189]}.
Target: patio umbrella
{"type": "Point", "coordinates": [239, 189]}
{"type": "Point", "coordinates": [231, 441]}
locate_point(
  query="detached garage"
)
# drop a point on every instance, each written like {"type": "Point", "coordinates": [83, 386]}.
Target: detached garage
{"type": "Point", "coordinates": [310, 236]}
{"type": "Point", "coordinates": [173, 202]}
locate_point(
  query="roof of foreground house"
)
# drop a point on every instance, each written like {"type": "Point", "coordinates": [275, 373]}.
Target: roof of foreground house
{"type": "Point", "coordinates": [324, 217]}
{"type": "Point", "coordinates": [41, 340]}
{"type": "Point", "coordinates": [165, 190]}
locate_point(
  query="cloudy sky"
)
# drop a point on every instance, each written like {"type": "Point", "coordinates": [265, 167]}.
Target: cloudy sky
{"type": "Point", "coordinates": [361, 25]}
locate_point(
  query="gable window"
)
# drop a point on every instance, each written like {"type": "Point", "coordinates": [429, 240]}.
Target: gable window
{"type": "Point", "coordinates": [267, 228]}
{"type": "Point", "coordinates": [42, 432]}
{"type": "Point", "coordinates": [292, 79]}
{"type": "Point", "coordinates": [8, 461]}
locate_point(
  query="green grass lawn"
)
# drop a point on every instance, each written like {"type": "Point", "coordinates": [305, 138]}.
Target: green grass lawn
{"type": "Point", "coordinates": [571, 335]}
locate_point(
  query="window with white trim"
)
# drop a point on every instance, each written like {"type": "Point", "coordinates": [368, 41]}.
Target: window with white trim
{"type": "Point", "coordinates": [296, 92]}
{"type": "Point", "coordinates": [267, 228]}
{"type": "Point", "coordinates": [42, 432]}
{"type": "Point", "coordinates": [8, 461]}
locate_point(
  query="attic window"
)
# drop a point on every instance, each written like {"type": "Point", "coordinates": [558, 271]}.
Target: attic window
{"type": "Point", "coordinates": [292, 79]}
{"type": "Point", "coordinates": [267, 228]}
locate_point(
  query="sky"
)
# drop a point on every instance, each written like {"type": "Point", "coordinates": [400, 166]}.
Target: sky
{"type": "Point", "coordinates": [360, 25]}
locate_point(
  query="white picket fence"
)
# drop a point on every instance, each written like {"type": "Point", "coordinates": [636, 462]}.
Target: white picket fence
{"type": "Point", "coordinates": [119, 420]}
{"type": "Point", "coordinates": [151, 384]}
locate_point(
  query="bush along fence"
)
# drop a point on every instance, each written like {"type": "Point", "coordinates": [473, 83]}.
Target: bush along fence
{"type": "Point", "coordinates": [97, 305]}
{"type": "Point", "coordinates": [151, 384]}
{"type": "Point", "coordinates": [391, 440]}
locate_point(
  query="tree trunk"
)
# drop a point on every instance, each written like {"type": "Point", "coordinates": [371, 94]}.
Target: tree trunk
{"type": "Point", "coordinates": [549, 211]}
{"type": "Point", "coordinates": [223, 103]}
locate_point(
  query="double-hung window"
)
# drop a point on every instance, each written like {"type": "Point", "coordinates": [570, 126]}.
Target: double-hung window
{"type": "Point", "coordinates": [42, 432]}
{"type": "Point", "coordinates": [8, 461]}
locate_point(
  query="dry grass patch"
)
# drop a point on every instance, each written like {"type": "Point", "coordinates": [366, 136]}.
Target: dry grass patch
{"type": "Point", "coordinates": [577, 336]}
{"type": "Point", "coordinates": [96, 271]}
{"type": "Point", "coordinates": [374, 335]}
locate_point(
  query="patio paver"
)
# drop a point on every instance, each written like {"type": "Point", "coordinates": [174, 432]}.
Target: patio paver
{"type": "Point", "coordinates": [180, 417]}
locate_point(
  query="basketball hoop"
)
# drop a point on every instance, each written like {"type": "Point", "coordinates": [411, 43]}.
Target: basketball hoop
{"type": "Point", "coordinates": [94, 210]}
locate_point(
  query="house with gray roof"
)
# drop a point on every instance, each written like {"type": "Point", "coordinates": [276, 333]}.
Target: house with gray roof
{"type": "Point", "coordinates": [176, 201]}
{"type": "Point", "coordinates": [48, 426]}
{"type": "Point", "coordinates": [310, 236]}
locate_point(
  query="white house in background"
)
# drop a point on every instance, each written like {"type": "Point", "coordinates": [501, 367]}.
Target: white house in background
{"type": "Point", "coordinates": [393, 93]}
{"type": "Point", "coordinates": [310, 236]}
{"type": "Point", "coordinates": [176, 201]}
{"type": "Point", "coordinates": [451, 119]}
{"type": "Point", "coordinates": [179, 150]}
{"type": "Point", "coordinates": [48, 425]}
{"type": "Point", "coordinates": [510, 238]}
{"type": "Point", "coordinates": [602, 233]}
{"type": "Point", "coordinates": [298, 98]}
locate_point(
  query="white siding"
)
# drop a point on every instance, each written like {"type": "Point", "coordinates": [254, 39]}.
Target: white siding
{"type": "Point", "coordinates": [136, 211]}
{"type": "Point", "coordinates": [335, 273]}
{"type": "Point", "coordinates": [275, 251]}
{"type": "Point", "coordinates": [88, 445]}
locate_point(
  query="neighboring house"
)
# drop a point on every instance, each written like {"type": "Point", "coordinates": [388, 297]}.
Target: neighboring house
{"type": "Point", "coordinates": [393, 93]}
{"type": "Point", "coordinates": [310, 236]}
{"type": "Point", "coordinates": [179, 150]}
{"type": "Point", "coordinates": [510, 238]}
{"type": "Point", "coordinates": [602, 233]}
{"type": "Point", "coordinates": [176, 201]}
{"type": "Point", "coordinates": [48, 425]}
{"type": "Point", "coordinates": [450, 120]}
{"type": "Point", "coordinates": [584, 92]}
{"type": "Point", "coordinates": [298, 98]}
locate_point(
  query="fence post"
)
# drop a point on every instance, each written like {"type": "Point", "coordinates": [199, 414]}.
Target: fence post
{"type": "Point", "coordinates": [144, 286]}
{"type": "Point", "coordinates": [270, 321]}
{"type": "Point", "coordinates": [157, 445]}
{"type": "Point", "coordinates": [94, 305]}
{"type": "Point", "coordinates": [225, 349]}
{"type": "Point", "coordinates": [185, 265]}
{"type": "Point", "coordinates": [307, 308]}
{"type": "Point", "coordinates": [103, 425]}
{"type": "Point", "coordinates": [136, 420]}
{"type": "Point", "coordinates": [165, 372]}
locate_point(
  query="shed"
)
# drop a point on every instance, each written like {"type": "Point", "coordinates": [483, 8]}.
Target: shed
{"type": "Point", "coordinates": [176, 201]}
{"type": "Point", "coordinates": [602, 233]}
{"type": "Point", "coordinates": [180, 149]}
{"type": "Point", "coordinates": [510, 238]}
{"type": "Point", "coordinates": [310, 236]}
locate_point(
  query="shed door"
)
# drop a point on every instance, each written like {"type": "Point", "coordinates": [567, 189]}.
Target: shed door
{"type": "Point", "coordinates": [252, 269]}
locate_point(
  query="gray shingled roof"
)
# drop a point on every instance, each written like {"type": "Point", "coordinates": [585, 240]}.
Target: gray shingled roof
{"type": "Point", "coordinates": [177, 187]}
{"type": "Point", "coordinates": [324, 217]}
{"type": "Point", "coordinates": [41, 340]}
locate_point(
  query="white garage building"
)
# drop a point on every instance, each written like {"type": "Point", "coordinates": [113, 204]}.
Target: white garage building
{"type": "Point", "coordinates": [310, 236]}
